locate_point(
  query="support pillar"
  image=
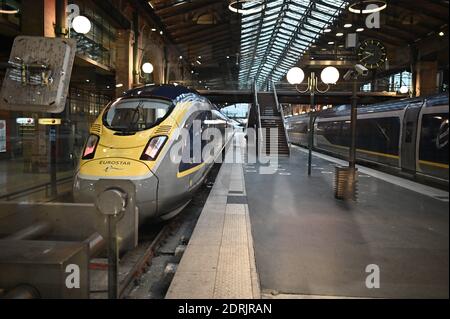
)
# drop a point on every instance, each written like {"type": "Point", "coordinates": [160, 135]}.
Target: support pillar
{"type": "Point", "coordinates": [124, 61]}
{"type": "Point", "coordinates": [426, 83]}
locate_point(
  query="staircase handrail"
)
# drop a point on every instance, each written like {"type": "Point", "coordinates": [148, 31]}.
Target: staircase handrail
{"type": "Point", "coordinates": [280, 109]}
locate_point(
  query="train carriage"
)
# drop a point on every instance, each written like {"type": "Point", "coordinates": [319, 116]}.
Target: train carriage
{"type": "Point", "coordinates": [410, 135]}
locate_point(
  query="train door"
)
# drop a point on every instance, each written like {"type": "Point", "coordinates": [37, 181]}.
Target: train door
{"type": "Point", "coordinates": [409, 135]}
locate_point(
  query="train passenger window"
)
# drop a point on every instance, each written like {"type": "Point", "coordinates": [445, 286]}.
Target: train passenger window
{"type": "Point", "coordinates": [133, 115]}
{"type": "Point", "coordinates": [379, 135]}
{"type": "Point", "coordinates": [434, 138]}
{"type": "Point", "coordinates": [196, 126]}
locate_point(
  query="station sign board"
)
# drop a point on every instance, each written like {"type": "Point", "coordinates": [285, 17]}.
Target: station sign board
{"type": "Point", "coordinates": [49, 121]}
{"type": "Point", "coordinates": [25, 121]}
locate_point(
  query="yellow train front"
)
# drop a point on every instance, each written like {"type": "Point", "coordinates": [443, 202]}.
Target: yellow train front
{"type": "Point", "coordinates": [162, 138]}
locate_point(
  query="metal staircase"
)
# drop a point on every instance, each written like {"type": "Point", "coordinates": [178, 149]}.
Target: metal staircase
{"type": "Point", "coordinates": [272, 124]}
{"type": "Point", "coordinates": [267, 115]}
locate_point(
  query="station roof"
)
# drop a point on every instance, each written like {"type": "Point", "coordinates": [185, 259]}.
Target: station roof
{"type": "Point", "coordinates": [234, 49]}
{"type": "Point", "coordinates": [274, 39]}
{"type": "Point", "coordinates": [207, 35]}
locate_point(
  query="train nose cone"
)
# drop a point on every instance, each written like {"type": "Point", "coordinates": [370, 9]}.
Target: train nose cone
{"type": "Point", "coordinates": [91, 175]}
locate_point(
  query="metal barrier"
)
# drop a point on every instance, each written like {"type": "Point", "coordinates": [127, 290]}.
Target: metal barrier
{"type": "Point", "coordinates": [280, 109]}
{"type": "Point", "coordinates": [34, 189]}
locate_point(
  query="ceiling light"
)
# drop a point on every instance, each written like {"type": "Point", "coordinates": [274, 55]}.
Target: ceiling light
{"type": "Point", "coordinates": [119, 85]}
{"type": "Point", "coordinates": [404, 89]}
{"type": "Point", "coordinates": [347, 25]}
{"type": "Point", "coordinates": [358, 6]}
{"type": "Point", "coordinates": [153, 30]}
{"type": "Point", "coordinates": [360, 30]}
{"type": "Point", "coordinates": [147, 68]}
{"type": "Point", "coordinates": [198, 62]}
{"type": "Point", "coordinates": [329, 75]}
{"type": "Point", "coordinates": [339, 34]}
{"type": "Point", "coordinates": [441, 34]}
{"type": "Point", "coordinates": [9, 8]}
{"type": "Point", "coordinates": [236, 6]}
{"type": "Point", "coordinates": [81, 25]}
{"type": "Point", "coordinates": [295, 75]}
{"type": "Point", "coordinates": [331, 42]}
{"type": "Point", "coordinates": [181, 57]}
{"type": "Point", "coordinates": [160, 32]}
{"type": "Point", "coordinates": [327, 30]}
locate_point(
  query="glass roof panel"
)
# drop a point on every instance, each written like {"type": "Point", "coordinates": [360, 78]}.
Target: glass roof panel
{"type": "Point", "coordinates": [273, 40]}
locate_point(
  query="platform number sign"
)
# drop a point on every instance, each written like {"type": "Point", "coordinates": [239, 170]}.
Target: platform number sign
{"type": "Point", "coordinates": [38, 74]}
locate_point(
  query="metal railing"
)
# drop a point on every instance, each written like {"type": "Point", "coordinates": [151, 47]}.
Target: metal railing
{"type": "Point", "coordinates": [260, 138]}
{"type": "Point", "coordinates": [280, 109]}
{"type": "Point", "coordinates": [254, 117]}
{"type": "Point", "coordinates": [34, 189]}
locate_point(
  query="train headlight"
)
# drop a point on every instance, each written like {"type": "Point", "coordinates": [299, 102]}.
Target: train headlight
{"type": "Point", "coordinates": [91, 146]}
{"type": "Point", "coordinates": [153, 148]}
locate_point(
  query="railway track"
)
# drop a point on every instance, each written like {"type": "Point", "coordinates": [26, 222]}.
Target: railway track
{"type": "Point", "coordinates": [143, 270]}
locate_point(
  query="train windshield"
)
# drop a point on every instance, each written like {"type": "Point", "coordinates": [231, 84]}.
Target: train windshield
{"type": "Point", "coordinates": [134, 115]}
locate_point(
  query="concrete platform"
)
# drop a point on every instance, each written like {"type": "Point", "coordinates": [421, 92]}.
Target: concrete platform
{"type": "Point", "coordinates": [309, 244]}
{"type": "Point", "coordinates": [219, 260]}
{"type": "Point", "coordinates": [303, 243]}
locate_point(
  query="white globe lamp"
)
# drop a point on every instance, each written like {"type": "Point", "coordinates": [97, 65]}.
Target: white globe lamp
{"type": "Point", "coordinates": [404, 89]}
{"type": "Point", "coordinates": [329, 75]}
{"type": "Point", "coordinates": [81, 25]}
{"type": "Point", "coordinates": [147, 68]}
{"type": "Point", "coordinates": [295, 75]}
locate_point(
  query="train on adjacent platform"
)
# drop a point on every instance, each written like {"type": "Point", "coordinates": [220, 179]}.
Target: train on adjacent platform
{"type": "Point", "coordinates": [409, 135]}
{"type": "Point", "coordinates": [134, 138]}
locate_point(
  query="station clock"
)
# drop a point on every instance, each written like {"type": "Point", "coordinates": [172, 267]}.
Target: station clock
{"type": "Point", "coordinates": [372, 54]}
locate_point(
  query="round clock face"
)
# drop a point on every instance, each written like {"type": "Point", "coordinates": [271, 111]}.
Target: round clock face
{"type": "Point", "coordinates": [372, 54]}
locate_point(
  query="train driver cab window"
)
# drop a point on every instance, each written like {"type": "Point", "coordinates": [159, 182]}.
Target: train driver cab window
{"type": "Point", "coordinates": [134, 115]}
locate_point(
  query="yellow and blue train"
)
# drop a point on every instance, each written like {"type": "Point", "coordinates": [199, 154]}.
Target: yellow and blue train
{"type": "Point", "coordinates": [134, 138]}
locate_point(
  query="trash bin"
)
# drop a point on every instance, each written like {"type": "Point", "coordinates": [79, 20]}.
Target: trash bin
{"type": "Point", "coordinates": [345, 183]}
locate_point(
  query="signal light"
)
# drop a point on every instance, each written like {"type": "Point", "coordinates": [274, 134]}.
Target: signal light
{"type": "Point", "coordinates": [153, 148]}
{"type": "Point", "coordinates": [91, 146]}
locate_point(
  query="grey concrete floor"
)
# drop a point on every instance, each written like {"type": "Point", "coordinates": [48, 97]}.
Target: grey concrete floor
{"type": "Point", "coordinates": [309, 243]}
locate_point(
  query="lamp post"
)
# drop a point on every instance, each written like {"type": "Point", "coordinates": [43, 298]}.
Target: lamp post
{"type": "Point", "coordinates": [295, 76]}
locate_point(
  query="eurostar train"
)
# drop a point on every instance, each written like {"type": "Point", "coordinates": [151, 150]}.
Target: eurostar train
{"type": "Point", "coordinates": [409, 135]}
{"type": "Point", "coordinates": [134, 138]}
